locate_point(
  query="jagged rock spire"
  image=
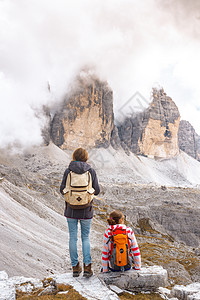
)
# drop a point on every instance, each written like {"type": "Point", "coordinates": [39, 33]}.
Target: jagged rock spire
{"type": "Point", "coordinates": [153, 133]}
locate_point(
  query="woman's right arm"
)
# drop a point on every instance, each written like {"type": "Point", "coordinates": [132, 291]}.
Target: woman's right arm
{"type": "Point", "coordinates": [63, 183]}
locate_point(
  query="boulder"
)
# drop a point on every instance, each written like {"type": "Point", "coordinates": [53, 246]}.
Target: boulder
{"type": "Point", "coordinates": [147, 279]}
{"type": "Point", "coordinates": [189, 292]}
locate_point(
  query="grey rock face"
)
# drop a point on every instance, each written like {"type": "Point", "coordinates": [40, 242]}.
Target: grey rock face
{"type": "Point", "coordinates": [147, 279]}
{"type": "Point", "coordinates": [115, 140]}
{"type": "Point", "coordinates": [189, 141]}
{"type": "Point", "coordinates": [182, 224]}
{"type": "Point", "coordinates": [131, 131]}
{"type": "Point", "coordinates": [57, 129]}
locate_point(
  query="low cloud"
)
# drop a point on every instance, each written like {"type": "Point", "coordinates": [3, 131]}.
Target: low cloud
{"type": "Point", "coordinates": [132, 44]}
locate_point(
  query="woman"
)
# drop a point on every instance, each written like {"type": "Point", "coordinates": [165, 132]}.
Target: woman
{"type": "Point", "coordinates": [116, 225]}
{"type": "Point", "coordinates": [79, 165]}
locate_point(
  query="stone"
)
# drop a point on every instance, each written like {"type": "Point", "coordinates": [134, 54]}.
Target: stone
{"type": "Point", "coordinates": [48, 290]}
{"type": "Point", "coordinates": [189, 292]}
{"type": "Point", "coordinates": [85, 118]}
{"type": "Point", "coordinates": [91, 288]}
{"type": "Point", "coordinates": [116, 290]}
{"type": "Point", "coordinates": [148, 279]}
{"type": "Point", "coordinates": [195, 296]}
{"type": "Point", "coordinates": [197, 251]}
{"type": "Point", "coordinates": [164, 291]}
{"type": "Point", "coordinates": [188, 139]}
{"type": "Point", "coordinates": [153, 132]}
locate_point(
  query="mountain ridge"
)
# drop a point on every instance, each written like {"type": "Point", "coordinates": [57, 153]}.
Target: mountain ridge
{"type": "Point", "coordinates": [85, 118]}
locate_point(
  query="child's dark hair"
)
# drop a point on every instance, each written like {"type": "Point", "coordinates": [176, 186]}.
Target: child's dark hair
{"type": "Point", "coordinates": [114, 217]}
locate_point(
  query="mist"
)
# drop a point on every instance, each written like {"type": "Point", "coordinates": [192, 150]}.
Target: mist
{"type": "Point", "coordinates": [131, 44]}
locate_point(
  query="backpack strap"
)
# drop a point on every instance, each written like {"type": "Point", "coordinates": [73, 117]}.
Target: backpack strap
{"type": "Point", "coordinates": [110, 239]}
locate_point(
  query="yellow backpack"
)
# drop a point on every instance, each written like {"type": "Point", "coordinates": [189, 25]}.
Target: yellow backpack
{"type": "Point", "coordinates": [79, 191]}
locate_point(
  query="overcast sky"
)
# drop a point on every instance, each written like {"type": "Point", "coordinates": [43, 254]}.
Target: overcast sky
{"type": "Point", "coordinates": [134, 45]}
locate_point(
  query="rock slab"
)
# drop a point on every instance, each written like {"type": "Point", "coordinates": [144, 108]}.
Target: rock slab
{"type": "Point", "coordinates": [146, 279]}
{"type": "Point", "coordinates": [91, 288]}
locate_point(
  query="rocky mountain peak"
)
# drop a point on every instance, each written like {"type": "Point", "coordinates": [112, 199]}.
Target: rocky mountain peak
{"type": "Point", "coordinates": [163, 108]}
{"type": "Point", "coordinates": [153, 133]}
{"type": "Point", "coordinates": [85, 117]}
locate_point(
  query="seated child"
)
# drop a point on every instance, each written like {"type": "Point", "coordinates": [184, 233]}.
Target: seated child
{"type": "Point", "coordinates": [117, 239]}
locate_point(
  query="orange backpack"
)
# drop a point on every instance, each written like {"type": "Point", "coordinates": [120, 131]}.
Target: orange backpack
{"type": "Point", "coordinates": [120, 254]}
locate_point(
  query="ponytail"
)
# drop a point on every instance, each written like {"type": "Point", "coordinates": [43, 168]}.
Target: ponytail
{"type": "Point", "coordinates": [114, 217]}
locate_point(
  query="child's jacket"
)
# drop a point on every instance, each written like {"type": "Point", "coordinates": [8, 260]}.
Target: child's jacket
{"type": "Point", "coordinates": [107, 247]}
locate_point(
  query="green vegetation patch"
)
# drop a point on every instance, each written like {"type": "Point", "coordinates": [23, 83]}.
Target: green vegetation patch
{"type": "Point", "coordinates": [191, 263]}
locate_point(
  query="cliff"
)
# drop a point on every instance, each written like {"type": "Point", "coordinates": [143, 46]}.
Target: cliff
{"type": "Point", "coordinates": [188, 139]}
{"type": "Point", "coordinates": [154, 132]}
{"type": "Point", "coordinates": [85, 118]}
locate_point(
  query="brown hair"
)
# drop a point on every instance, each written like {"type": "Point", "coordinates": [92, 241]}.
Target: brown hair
{"type": "Point", "coordinates": [80, 154]}
{"type": "Point", "coordinates": [114, 217]}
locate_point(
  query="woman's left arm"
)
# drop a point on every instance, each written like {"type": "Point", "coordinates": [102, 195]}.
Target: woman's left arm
{"type": "Point", "coordinates": [63, 183]}
{"type": "Point", "coordinates": [95, 183]}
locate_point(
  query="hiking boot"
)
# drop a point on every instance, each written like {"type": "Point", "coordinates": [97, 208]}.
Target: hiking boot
{"type": "Point", "coordinates": [87, 271]}
{"type": "Point", "coordinates": [77, 270]}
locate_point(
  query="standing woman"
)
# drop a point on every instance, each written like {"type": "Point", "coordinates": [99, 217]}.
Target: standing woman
{"type": "Point", "coordinates": [79, 165]}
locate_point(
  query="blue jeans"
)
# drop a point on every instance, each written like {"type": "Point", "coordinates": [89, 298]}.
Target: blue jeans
{"type": "Point", "coordinates": [73, 231]}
